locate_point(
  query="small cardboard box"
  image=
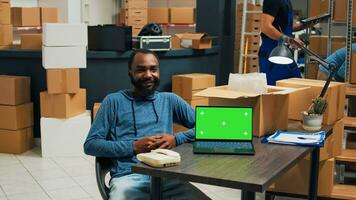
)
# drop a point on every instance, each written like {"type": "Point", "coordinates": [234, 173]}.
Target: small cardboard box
{"type": "Point", "coordinates": [6, 36]}
{"type": "Point", "coordinates": [192, 40]}
{"type": "Point", "coordinates": [62, 105]}
{"type": "Point", "coordinates": [270, 110]}
{"type": "Point", "coordinates": [49, 15]}
{"type": "Point", "coordinates": [25, 16]}
{"type": "Point", "coordinates": [182, 15]}
{"type": "Point", "coordinates": [15, 90]}
{"type": "Point", "coordinates": [31, 41]}
{"type": "Point", "coordinates": [62, 81]}
{"type": "Point", "coordinates": [5, 13]}
{"type": "Point", "coordinates": [17, 141]}
{"type": "Point", "coordinates": [64, 57]}
{"type": "Point", "coordinates": [158, 15]}
{"type": "Point", "coordinates": [185, 85]}
{"type": "Point", "coordinates": [301, 101]}
{"type": "Point", "coordinates": [16, 117]}
{"type": "Point", "coordinates": [136, 4]}
{"type": "Point", "coordinates": [200, 101]}
{"type": "Point", "coordinates": [296, 180]}
{"type": "Point", "coordinates": [64, 34]}
{"type": "Point", "coordinates": [64, 137]}
{"type": "Point", "coordinates": [340, 11]}
{"type": "Point", "coordinates": [95, 109]}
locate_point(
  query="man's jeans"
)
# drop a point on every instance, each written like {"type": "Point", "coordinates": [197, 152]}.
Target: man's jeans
{"type": "Point", "coordinates": [137, 186]}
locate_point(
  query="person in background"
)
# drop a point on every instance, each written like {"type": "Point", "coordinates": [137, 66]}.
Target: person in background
{"type": "Point", "coordinates": [135, 121]}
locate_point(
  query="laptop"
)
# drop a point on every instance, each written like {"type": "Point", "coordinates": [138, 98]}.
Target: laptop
{"type": "Point", "coordinates": [223, 130]}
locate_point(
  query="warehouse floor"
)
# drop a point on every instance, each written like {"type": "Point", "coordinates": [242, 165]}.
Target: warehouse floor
{"type": "Point", "coordinates": [31, 177]}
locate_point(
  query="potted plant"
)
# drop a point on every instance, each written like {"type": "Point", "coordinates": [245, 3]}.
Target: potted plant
{"type": "Point", "coordinates": [313, 118]}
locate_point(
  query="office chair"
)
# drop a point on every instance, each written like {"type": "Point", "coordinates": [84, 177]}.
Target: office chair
{"type": "Point", "coordinates": [102, 168]}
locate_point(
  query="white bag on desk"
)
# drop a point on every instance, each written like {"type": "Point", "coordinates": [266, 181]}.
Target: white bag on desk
{"type": "Point", "coordinates": [255, 83]}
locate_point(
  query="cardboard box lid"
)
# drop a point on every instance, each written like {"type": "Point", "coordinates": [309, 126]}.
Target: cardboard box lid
{"type": "Point", "coordinates": [225, 92]}
{"type": "Point", "coordinates": [311, 82]}
{"type": "Point", "coordinates": [193, 36]}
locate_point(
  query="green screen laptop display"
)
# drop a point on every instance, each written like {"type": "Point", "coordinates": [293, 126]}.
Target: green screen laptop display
{"type": "Point", "coordinates": [223, 123]}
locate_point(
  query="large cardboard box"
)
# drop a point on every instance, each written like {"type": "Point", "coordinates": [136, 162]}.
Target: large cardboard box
{"type": "Point", "coordinates": [301, 101]}
{"type": "Point", "coordinates": [318, 44]}
{"type": "Point", "coordinates": [158, 15]}
{"type": "Point", "coordinates": [25, 16]}
{"type": "Point", "coordinates": [15, 90]}
{"type": "Point", "coordinates": [17, 141]}
{"type": "Point", "coordinates": [16, 117]}
{"type": "Point", "coordinates": [64, 137]}
{"type": "Point", "coordinates": [312, 69]}
{"type": "Point", "coordinates": [318, 7]}
{"type": "Point", "coordinates": [192, 40]}
{"type": "Point", "coordinates": [296, 180]}
{"type": "Point", "coordinates": [64, 57]}
{"type": "Point", "coordinates": [6, 35]}
{"type": "Point", "coordinates": [136, 4]}
{"type": "Point", "coordinates": [182, 15]}
{"type": "Point", "coordinates": [340, 10]}
{"type": "Point", "coordinates": [64, 34]}
{"type": "Point", "coordinates": [186, 85]}
{"type": "Point", "coordinates": [62, 81]}
{"type": "Point", "coordinates": [270, 110]}
{"type": "Point", "coordinates": [62, 105]}
{"type": "Point", "coordinates": [95, 109]}
{"type": "Point", "coordinates": [5, 14]}
{"type": "Point", "coordinates": [31, 41]}
{"type": "Point", "coordinates": [49, 15]}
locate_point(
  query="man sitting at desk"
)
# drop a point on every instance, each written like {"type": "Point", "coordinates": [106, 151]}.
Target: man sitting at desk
{"type": "Point", "coordinates": [135, 121]}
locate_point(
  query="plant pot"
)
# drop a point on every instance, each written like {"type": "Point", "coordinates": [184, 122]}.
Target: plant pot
{"type": "Point", "coordinates": [312, 122]}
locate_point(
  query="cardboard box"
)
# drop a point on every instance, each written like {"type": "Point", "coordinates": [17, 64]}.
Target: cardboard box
{"type": "Point", "coordinates": [6, 35]}
{"type": "Point", "coordinates": [49, 15]}
{"type": "Point", "coordinates": [95, 109]}
{"type": "Point", "coordinates": [25, 16]}
{"type": "Point", "coordinates": [158, 15]}
{"type": "Point", "coordinates": [353, 69]}
{"type": "Point", "coordinates": [340, 10]}
{"type": "Point", "coordinates": [64, 57]}
{"type": "Point", "coordinates": [62, 81]}
{"type": "Point", "coordinates": [64, 34]}
{"type": "Point", "coordinates": [16, 117]}
{"type": "Point", "coordinates": [318, 44]}
{"type": "Point", "coordinates": [193, 40]}
{"type": "Point", "coordinates": [351, 141]}
{"type": "Point", "coordinates": [5, 13]}
{"type": "Point", "coordinates": [270, 110]}
{"type": "Point", "coordinates": [31, 41]}
{"type": "Point", "coordinates": [186, 85]}
{"type": "Point", "coordinates": [182, 15]}
{"type": "Point", "coordinates": [250, 6]}
{"type": "Point", "coordinates": [296, 180]}
{"type": "Point", "coordinates": [312, 69]}
{"type": "Point", "coordinates": [318, 7]}
{"type": "Point", "coordinates": [136, 4]}
{"type": "Point", "coordinates": [136, 30]}
{"type": "Point", "coordinates": [62, 105]}
{"type": "Point", "coordinates": [178, 128]}
{"type": "Point", "coordinates": [17, 141]}
{"type": "Point", "coordinates": [64, 137]}
{"type": "Point", "coordinates": [15, 90]}
{"type": "Point", "coordinates": [301, 101]}
{"type": "Point", "coordinates": [198, 101]}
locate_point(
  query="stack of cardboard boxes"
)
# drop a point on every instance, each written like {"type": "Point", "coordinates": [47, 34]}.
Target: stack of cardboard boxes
{"type": "Point", "coordinates": [186, 85]}
{"type": "Point", "coordinates": [252, 40]}
{"type": "Point", "coordinates": [16, 114]}
{"type": "Point", "coordinates": [5, 25]}
{"type": "Point", "coordinates": [183, 15]}
{"type": "Point", "coordinates": [64, 119]}
{"type": "Point", "coordinates": [134, 14]}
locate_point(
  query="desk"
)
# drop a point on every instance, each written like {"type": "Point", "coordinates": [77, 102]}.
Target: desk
{"type": "Point", "coordinates": [249, 173]}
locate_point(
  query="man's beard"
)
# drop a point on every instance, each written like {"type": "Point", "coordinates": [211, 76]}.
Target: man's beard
{"type": "Point", "coordinates": [142, 88]}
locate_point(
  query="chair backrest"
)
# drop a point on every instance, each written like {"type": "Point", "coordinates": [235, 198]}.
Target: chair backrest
{"type": "Point", "coordinates": [102, 167]}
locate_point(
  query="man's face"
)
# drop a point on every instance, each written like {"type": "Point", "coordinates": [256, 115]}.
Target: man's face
{"type": "Point", "coordinates": [144, 74]}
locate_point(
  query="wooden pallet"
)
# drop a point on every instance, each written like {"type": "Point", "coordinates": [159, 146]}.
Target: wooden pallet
{"type": "Point", "coordinates": [349, 122]}
{"type": "Point", "coordinates": [341, 191]}
{"type": "Point", "coordinates": [347, 155]}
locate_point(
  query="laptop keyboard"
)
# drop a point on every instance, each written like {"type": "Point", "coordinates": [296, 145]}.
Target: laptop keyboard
{"type": "Point", "coordinates": [223, 145]}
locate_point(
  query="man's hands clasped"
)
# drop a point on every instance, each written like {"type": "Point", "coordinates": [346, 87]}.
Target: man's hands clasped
{"type": "Point", "coordinates": [161, 141]}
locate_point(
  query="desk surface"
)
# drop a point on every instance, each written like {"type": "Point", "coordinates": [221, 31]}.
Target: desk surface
{"type": "Point", "coordinates": [251, 173]}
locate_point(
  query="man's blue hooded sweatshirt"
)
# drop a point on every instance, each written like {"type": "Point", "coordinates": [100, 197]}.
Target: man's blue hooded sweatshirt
{"type": "Point", "coordinates": [122, 119]}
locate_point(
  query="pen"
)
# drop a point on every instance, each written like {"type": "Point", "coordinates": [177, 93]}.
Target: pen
{"type": "Point", "coordinates": [306, 138]}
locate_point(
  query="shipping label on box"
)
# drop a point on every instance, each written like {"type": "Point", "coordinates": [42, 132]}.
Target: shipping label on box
{"type": "Point", "coordinates": [5, 13]}
{"type": "Point", "coordinates": [31, 41]}
{"type": "Point", "coordinates": [25, 16]}
{"type": "Point", "coordinates": [15, 90]}
{"type": "Point", "coordinates": [64, 57]}
{"type": "Point", "coordinates": [64, 137]}
{"type": "Point", "coordinates": [64, 34]}
{"type": "Point", "coordinates": [182, 15]}
{"type": "Point", "coordinates": [62, 105]}
{"type": "Point", "coordinates": [16, 117]}
{"type": "Point", "coordinates": [49, 15]}
{"type": "Point", "coordinates": [6, 36]}
{"type": "Point", "coordinates": [63, 81]}
{"type": "Point", "coordinates": [17, 141]}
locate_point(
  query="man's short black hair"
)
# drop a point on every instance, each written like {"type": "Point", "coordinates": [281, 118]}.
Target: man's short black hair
{"type": "Point", "coordinates": [143, 51]}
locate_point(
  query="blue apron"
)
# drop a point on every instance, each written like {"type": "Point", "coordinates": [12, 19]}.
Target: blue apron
{"type": "Point", "coordinates": [275, 72]}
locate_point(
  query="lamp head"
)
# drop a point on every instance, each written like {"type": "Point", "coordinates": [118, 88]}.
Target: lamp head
{"type": "Point", "coordinates": [281, 53]}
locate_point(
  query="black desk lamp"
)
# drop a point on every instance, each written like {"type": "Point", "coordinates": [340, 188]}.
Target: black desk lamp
{"type": "Point", "coordinates": [282, 55]}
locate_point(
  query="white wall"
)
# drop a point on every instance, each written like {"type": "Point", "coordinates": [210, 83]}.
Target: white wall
{"type": "Point", "coordinates": [69, 10]}
{"type": "Point", "coordinates": [100, 11]}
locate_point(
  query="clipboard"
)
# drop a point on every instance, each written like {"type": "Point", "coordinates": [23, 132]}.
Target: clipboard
{"type": "Point", "coordinates": [315, 19]}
